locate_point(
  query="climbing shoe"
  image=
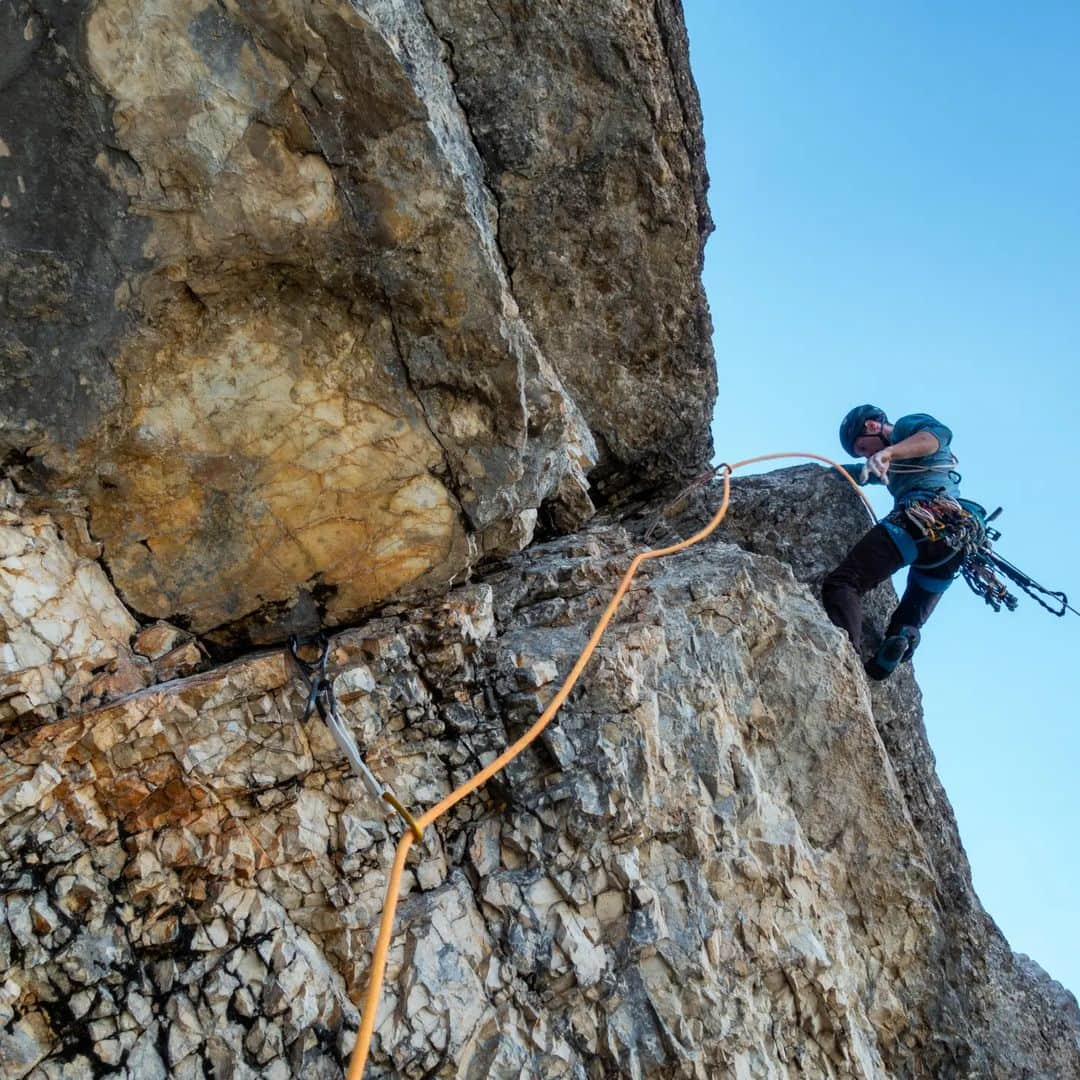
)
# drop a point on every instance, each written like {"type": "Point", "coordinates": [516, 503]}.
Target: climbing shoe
{"type": "Point", "coordinates": [894, 650]}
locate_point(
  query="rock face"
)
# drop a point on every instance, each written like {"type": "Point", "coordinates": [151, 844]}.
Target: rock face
{"type": "Point", "coordinates": [727, 857]}
{"type": "Point", "coordinates": [60, 620]}
{"type": "Point", "coordinates": [315, 314]}
{"type": "Point", "coordinates": [588, 124]}
{"type": "Point", "coordinates": [311, 305]}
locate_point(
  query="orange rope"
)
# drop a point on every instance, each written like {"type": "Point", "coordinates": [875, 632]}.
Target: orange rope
{"type": "Point", "coordinates": [393, 885]}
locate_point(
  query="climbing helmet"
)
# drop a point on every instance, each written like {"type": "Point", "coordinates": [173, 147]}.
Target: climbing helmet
{"type": "Point", "coordinates": [851, 427]}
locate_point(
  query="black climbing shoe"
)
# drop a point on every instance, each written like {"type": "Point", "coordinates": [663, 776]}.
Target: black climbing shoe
{"type": "Point", "coordinates": [892, 652]}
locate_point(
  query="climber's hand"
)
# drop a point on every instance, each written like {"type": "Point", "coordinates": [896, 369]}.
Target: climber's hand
{"type": "Point", "coordinates": [878, 464]}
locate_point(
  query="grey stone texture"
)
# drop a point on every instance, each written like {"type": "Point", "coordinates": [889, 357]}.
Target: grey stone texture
{"type": "Point", "coordinates": [728, 856]}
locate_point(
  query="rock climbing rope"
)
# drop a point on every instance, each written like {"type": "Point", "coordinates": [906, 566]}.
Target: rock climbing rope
{"type": "Point", "coordinates": [393, 885]}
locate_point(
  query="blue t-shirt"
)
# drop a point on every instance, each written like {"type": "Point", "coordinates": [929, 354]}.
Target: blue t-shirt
{"type": "Point", "coordinates": [931, 475]}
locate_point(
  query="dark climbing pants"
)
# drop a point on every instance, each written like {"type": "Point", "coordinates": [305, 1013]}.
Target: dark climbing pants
{"type": "Point", "coordinates": [874, 558]}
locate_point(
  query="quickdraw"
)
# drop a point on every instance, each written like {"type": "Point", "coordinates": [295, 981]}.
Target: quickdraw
{"type": "Point", "coordinates": [321, 696]}
{"type": "Point", "coordinates": [678, 504]}
{"type": "Point", "coordinates": [981, 569]}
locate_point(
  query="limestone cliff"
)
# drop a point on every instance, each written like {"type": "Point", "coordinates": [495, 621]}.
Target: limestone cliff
{"type": "Point", "coordinates": [728, 857]}
{"type": "Point", "coordinates": [349, 315]}
{"type": "Point", "coordinates": [312, 303]}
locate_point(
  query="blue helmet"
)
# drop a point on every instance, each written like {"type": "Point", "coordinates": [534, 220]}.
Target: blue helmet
{"type": "Point", "coordinates": [852, 426]}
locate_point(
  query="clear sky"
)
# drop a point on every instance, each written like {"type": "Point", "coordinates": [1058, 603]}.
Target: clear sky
{"type": "Point", "coordinates": [896, 190]}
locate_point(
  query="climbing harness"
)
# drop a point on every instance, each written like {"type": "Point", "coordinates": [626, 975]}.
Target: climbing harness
{"type": "Point", "coordinates": [960, 523]}
{"type": "Point", "coordinates": [321, 696]}
{"type": "Point", "coordinates": [964, 526]}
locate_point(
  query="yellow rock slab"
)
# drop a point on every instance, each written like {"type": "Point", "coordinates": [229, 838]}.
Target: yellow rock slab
{"type": "Point", "coordinates": [254, 461]}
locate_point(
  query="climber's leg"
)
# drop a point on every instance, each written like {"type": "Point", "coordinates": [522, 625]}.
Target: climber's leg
{"type": "Point", "coordinates": [924, 590]}
{"type": "Point", "coordinates": [874, 558]}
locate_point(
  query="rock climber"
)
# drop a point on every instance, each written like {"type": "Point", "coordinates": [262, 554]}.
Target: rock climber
{"type": "Point", "coordinates": [927, 529]}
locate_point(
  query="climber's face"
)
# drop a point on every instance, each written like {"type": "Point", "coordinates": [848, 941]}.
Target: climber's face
{"type": "Point", "coordinates": [872, 440]}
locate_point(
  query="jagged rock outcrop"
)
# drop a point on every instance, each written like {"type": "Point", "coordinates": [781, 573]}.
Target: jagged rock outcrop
{"type": "Point", "coordinates": [727, 857]}
{"type": "Point", "coordinates": [313, 303]}
{"type": "Point", "coordinates": [792, 515]}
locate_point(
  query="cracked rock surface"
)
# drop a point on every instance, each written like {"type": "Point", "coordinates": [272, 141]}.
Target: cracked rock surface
{"type": "Point", "coordinates": [286, 312]}
{"type": "Point", "coordinates": [726, 857]}
{"type": "Point", "coordinates": [348, 314]}
{"type": "Point", "coordinates": [60, 619]}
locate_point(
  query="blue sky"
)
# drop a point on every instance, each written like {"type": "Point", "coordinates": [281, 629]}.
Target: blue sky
{"type": "Point", "coordinates": [896, 191]}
